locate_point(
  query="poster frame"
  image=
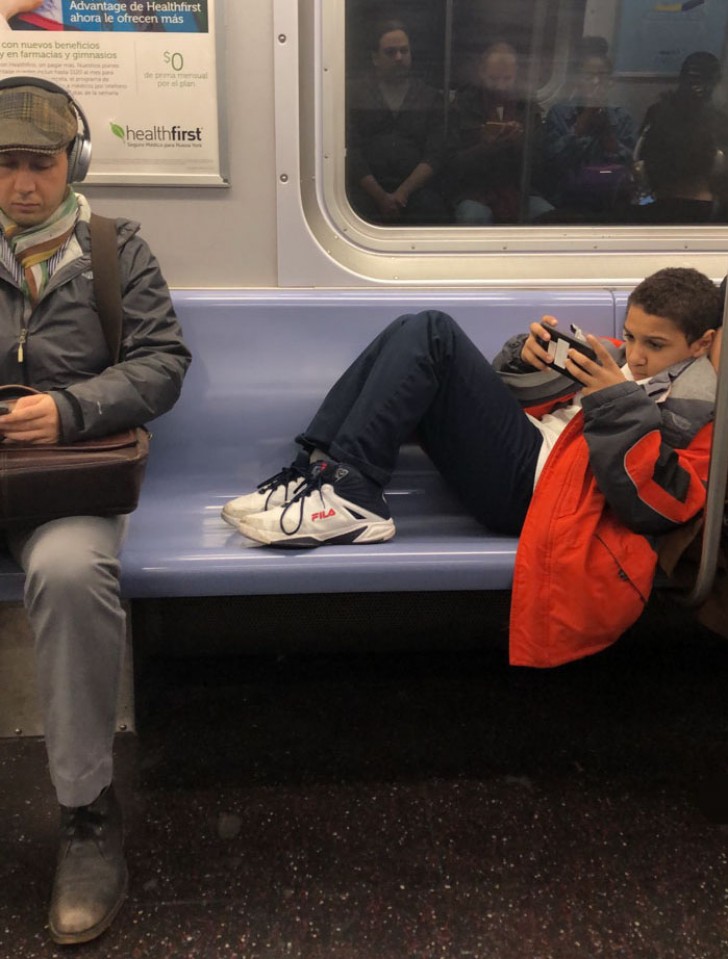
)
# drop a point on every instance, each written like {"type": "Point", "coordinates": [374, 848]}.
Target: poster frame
{"type": "Point", "coordinates": [217, 179]}
{"type": "Point", "coordinates": [669, 72]}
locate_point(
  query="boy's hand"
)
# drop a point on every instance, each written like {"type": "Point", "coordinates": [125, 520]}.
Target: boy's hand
{"type": "Point", "coordinates": [594, 375]}
{"type": "Point", "coordinates": [532, 352]}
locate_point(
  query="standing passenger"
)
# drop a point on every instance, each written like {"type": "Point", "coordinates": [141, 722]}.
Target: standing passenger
{"type": "Point", "coordinates": [51, 339]}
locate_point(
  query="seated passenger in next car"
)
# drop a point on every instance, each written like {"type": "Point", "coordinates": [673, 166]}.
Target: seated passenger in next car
{"type": "Point", "coordinates": [395, 137]}
{"type": "Point", "coordinates": [588, 141]}
{"type": "Point", "coordinates": [693, 99]}
{"type": "Point", "coordinates": [599, 463]}
{"type": "Point", "coordinates": [495, 133]}
{"type": "Point", "coordinates": [679, 163]}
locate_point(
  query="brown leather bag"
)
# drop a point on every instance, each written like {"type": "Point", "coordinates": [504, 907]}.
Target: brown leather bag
{"type": "Point", "coordinates": [98, 477]}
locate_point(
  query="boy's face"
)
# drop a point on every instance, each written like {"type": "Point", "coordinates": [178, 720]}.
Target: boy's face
{"type": "Point", "coordinates": [653, 343]}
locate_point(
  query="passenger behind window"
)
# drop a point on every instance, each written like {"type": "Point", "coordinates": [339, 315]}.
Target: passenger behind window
{"type": "Point", "coordinates": [395, 137]}
{"type": "Point", "coordinates": [589, 142]}
{"type": "Point", "coordinates": [680, 160]}
{"type": "Point", "coordinates": [699, 76]}
{"type": "Point", "coordinates": [494, 133]}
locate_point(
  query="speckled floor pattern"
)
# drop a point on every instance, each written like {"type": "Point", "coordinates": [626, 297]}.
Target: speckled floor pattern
{"type": "Point", "coordinates": [407, 805]}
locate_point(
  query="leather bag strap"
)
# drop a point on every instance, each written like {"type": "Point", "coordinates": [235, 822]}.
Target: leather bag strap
{"type": "Point", "coordinates": [107, 280]}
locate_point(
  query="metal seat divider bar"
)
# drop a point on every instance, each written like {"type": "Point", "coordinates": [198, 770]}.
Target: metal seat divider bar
{"type": "Point", "coordinates": [717, 479]}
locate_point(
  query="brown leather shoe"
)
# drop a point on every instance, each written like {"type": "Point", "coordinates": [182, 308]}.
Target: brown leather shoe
{"type": "Point", "coordinates": [91, 877]}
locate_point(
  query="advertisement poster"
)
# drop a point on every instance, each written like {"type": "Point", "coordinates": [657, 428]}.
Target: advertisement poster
{"type": "Point", "coordinates": [655, 36]}
{"type": "Point", "coordinates": [144, 73]}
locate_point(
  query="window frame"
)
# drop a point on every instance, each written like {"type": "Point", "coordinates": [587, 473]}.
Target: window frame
{"type": "Point", "coordinates": [322, 242]}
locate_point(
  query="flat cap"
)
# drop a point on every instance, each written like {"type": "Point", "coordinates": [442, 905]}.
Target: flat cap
{"type": "Point", "coordinates": [35, 120]}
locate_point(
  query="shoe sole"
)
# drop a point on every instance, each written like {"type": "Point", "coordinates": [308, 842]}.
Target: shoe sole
{"type": "Point", "coordinates": [359, 535]}
{"type": "Point", "coordinates": [87, 935]}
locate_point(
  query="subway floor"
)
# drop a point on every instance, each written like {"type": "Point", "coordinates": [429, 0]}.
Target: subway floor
{"type": "Point", "coordinates": [401, 800]}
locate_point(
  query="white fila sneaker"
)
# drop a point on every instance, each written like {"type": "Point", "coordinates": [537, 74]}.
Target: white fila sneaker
{"type": "Point", "coordinates": [276, 491]}
{"type": "Point", "coordinates": [335, 505]}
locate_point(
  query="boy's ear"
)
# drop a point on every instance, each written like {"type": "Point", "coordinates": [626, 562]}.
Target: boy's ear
{"type": "Point", "coordinates": [715, 348]}
{"type": "Point", "coordinates": [701, 346]}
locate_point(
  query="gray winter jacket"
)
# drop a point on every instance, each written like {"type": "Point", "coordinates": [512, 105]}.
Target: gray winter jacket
{"type": "Point", "coordinates": [616, 422]}
{"type": "Point", "coordinates": [64, 351]}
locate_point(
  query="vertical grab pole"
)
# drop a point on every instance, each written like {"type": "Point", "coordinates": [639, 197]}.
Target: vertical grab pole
{"type": "Point", "coordinates": [717, 478]}
{"type": "Point", "coordinates": [447, 61]}
{"type": "Point", "coordinates": [539, 29]}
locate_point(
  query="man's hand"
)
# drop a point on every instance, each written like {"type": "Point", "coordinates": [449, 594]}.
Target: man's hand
{"type": "Point", "coordinates": [400, 197]}
{"type": "Point", "coordinates": [589, 122]}
{"type": "Point", "coordinates": [33, 419]}
{"type": "Point", "coordinates": [389, 208]}
{"type": "Point", "coordinates": [533, 353]}
{"type": "Point", "coordinates": [512, 131]}
{"type": "Point", "coordinates": [593, 375]}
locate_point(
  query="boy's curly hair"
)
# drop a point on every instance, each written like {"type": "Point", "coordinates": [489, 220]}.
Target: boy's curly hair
{"type": "Point", "coordinates": [685, 296]}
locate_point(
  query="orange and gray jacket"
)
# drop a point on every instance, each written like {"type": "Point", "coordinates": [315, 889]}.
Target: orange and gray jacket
{"type": "Point", "coordinates": [626, 470]}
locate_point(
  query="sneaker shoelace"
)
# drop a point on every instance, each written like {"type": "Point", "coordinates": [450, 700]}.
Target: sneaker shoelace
{"type": "Point", "coordinates": [313, 482]}
{"type": "Point", "coordinates": [286, 477]}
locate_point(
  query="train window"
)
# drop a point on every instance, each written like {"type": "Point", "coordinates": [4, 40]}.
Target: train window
{"type": "Point", "coordinates": [440, 128]}
{"type": "Point", "coordinates": [493, 130]}
{"type": "Point", "coordinates": [483, 113]}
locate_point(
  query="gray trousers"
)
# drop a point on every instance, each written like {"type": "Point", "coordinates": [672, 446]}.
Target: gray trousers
{"type": "Point", "coordinates": [72, 601]}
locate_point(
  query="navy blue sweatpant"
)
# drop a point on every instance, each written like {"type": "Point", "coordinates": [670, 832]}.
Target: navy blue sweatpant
{"type": "Point", "coordinates": [423, 376]}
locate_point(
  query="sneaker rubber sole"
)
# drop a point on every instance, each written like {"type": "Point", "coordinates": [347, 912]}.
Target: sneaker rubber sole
{"type": "Point", "coordinates": [356, 534]}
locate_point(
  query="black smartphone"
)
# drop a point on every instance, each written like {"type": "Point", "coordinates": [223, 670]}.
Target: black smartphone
{"type": "Point", "coordinates": [559, 345]}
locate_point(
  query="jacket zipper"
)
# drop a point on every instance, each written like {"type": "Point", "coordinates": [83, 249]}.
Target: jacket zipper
{"type": "Point", "coordinates": [621, 572]}
{"type": "Point", "coordinates": [21, 343]}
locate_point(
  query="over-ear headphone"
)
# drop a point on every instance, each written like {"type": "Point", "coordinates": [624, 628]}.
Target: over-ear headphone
{"type": "Point", "coordinates": [79, 152]}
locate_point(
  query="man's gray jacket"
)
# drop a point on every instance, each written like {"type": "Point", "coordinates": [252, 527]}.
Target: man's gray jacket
{"type": "Point", "coordinates": [64, 351]}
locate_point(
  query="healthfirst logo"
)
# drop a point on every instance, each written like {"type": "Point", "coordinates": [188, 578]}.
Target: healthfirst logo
{"type": "Point", "coordinates": [159, 136]}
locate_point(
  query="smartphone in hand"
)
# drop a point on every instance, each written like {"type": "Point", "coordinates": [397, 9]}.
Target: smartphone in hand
{"type": "Point", "coordinates": [559, 345]}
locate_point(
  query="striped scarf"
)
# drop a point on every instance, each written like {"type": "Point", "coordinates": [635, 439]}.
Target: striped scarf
{"type": "Point", "coordinates": [36, 246]}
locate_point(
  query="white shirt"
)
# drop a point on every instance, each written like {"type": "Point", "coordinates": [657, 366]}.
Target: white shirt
{"type": "Point", "coordinates": [553, 424]}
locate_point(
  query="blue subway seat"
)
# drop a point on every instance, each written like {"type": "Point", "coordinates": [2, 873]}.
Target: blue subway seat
{"type": "Point", "coordinates": [262, 362]}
